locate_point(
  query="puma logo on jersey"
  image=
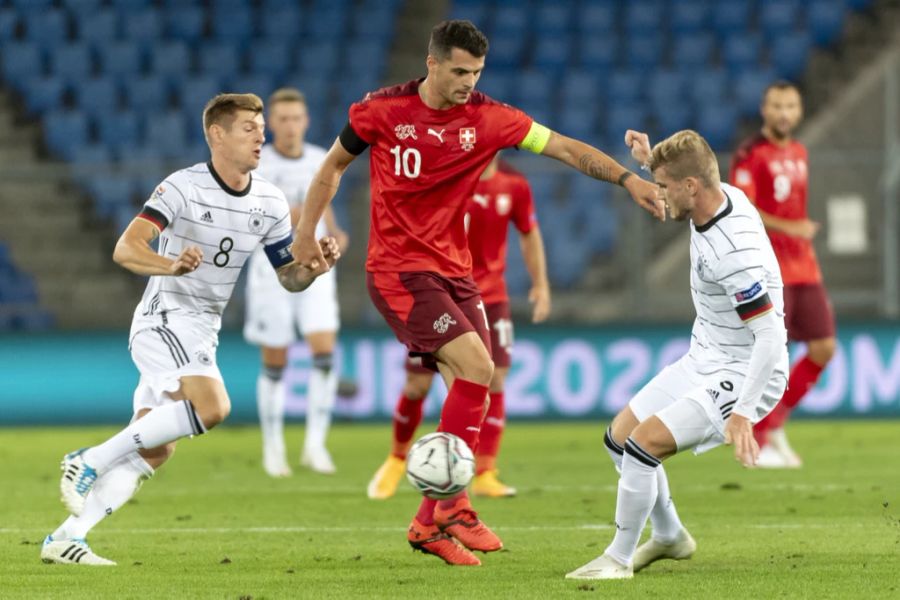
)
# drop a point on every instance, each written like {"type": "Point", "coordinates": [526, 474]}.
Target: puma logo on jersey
{"type": "Point", "coordinates": [443, 323]}
{"type": "Point", "coordinates": [207, 217]}
{"type": "Point", "coordinates": [481, 200]}
{"type": "Point", "coordinates": [438, 134]}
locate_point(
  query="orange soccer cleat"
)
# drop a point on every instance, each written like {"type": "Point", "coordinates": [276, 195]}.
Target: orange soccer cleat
{"type": "Point", "coordinates": [430, 540]}
{"type": "Point", "coordinates": [462, 523]}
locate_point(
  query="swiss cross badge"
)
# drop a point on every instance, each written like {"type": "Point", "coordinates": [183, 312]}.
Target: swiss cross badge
{"type": "Point", "coordinates": [467, 138]}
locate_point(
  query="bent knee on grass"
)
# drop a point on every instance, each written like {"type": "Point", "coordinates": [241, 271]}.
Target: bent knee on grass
{"type": "Point", "coordinates": [654, 437]}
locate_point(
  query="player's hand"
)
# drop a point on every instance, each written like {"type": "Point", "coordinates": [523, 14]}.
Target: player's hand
{"type": "Point", "coordinates": [639, 143]}
{"type": "Point", "coordinates": [343, 240]}
{"type": "Point", "coordinates": [331, 250]}
{"type": "Point", "coordinates": [647, 196]}
{"type": "Point", "coordinates": [308, 253]}
{"type": "Point", "coordinates": [805, 229]}
{"type": "Point", "coordinates": [739, 431]}
{"type": "Point", "coordinates": [539, 296]}
{"type": "Point", "coordinates": [189, 260]}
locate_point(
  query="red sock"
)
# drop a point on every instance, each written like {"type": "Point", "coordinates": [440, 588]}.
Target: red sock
{"type": "Point", "coordinates": [804, 376]}
{"type": "Point", "coordinates": [425, 516]}
{"type": "Point", "coordinates": [407, 417]}
{"type": "Point", "coordinates": [459, 500]}
{"type": "Point", "coordinates": [463, 411]}
{"type": "Point", "coordinates": [491, 433]}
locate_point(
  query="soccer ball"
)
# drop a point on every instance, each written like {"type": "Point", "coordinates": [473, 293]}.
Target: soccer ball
{"type": "Point", "coordinates": [440, 465]}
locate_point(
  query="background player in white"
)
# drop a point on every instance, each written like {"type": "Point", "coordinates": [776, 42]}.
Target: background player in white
{"type": "Point", "coordinates": [274, 314]}
{"type": "Point", "coordinates": [209, 218]}
{"type": "Point", "coordinates": [732, 376]}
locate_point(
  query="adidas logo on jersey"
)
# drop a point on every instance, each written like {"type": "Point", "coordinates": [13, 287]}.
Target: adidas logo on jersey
{"type": "Point", "coordinates": [207, 217]}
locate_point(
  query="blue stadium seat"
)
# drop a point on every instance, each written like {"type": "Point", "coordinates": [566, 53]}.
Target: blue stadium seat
{"type": "Point", "coordinates": [825, 20]}
{"type": "Point", "coordinates": [111, 193]}
{"type": "Point", "coordinates": [233, 24]}
{"type": "Point", "coordinates": [644, 17]}
{"type": "Point", "coordinates": [97, 96]}
{"type": "Point", "coordinates": [599, 52]}
{"type": "Point", "coordinates": [326, 23]}
{"type": "Point", "coordinates": [144, 159]}
{"type": "Point", "coordinates": [220, 59]}
{"type": "Point", "coordinates": [732, 16]}
{"type": "Point", "coordinates": [506, 51]}
{"type": "Point", "coordinates": [643, 52]}
{"type": "Point", "coordinates": [147, 94]}
{"type": "Point", "coordinates": [578, 120]}
{"type": "Point", "coordinates": [185, 23]}
{"type": "Point", "coordinates": [789, 55]}
{"type": "Point", "coordinates": [718, 124]}
{"type": "Point", "coordinates": [672, 118]}
{"type": "Point", "coordinates": [117, 130]}
{"type": "Point", "coordinates": [580, 86]}
{"type": "Point", "coordinates": [143, 26]}
{"type": "Point", "coordinates": [72, 62]}
{"type": "Point", "coordinates": [535, 87]}
{"type": "Point", "coordinates": [511, 19]}
{"type": "Point", "coordinates": [284, 22]}
{"type": "Point", "coordinates": [621, 118]}
{"type": "Point", "coordinates": [777, 19]}
{"type": "Point", "coordinates": [96, 27]}
{"type": "Point", "coordinates": [31, 5]}
{"type": "Point", "coordinates": [122, 59]}
{"type": "Point", "coordinates": [260, 84]}
{"type": "Point", "coordinates": [690, 16]}
{"type": "Point", "coordinates": [65, 131]}
{"type": "Point", "coordinates": [81, 6]}
{"type": "Point", "coordinates": [165, 133]}
{"type": "Point", "coordinates": [742, 51]}
{"type": "Point", "coordinates": [498, 85]}
{"type": "Point", "coordinates": [553, 20]}
{"type": "Point", "coordinates": [170, 59]}
{"type": "Point", "coordinates": [43, 93]}
{"type": "Point", "coordinates": [552, 52]}
{"type": "Point", "coordinates": [270, 56]}
{"type": "Point", "coordinates": [20, 60]}
{"type": "Point", "coordinates": [597, 18]}
{"type": "Point", "coordinates": [623, 87]}
{"type": "Point", "coordinates": [316, 89]}
{"type": "Point", "coordinates": [9, 21]}
{"type": "Point", "coordinates": [130, 5]}
{"type": "Point", "coordinates": [748, 89]}
{"type": "Point", "coordinates": [193, 94]}
{"type": "Point", "coordinates": [568, 260]}
{"type": "Point", "coordinates": [90, 161]}
{"type": "Point", "coordinates": [317, 57]}
{"type": "Point", "coordinates": [666, 87]}
{"type": "Point", "coordinates": [708, 86]}
{"type": "Point", "coordinates": [48, 28]}
{"type": "Point", "coordinates": [374, 22]}
{"type": "Point", "coordinates": [365, 57]}
{"type": "Point", "coordinates": [477, 13]}
{"type": "Point", "coordinates": [694, 52]}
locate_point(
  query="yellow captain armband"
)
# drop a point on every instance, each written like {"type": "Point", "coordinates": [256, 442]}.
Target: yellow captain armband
{"type": "Point", "coordinates": [537, 138]}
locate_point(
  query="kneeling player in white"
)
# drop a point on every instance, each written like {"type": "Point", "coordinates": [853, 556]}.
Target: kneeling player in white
{"type": "Point", "coordinates": [209, 218]}
{"type": "Point", "coordinates": [732, 376]}
{"type": "Point", "coordinates": [274, 315]}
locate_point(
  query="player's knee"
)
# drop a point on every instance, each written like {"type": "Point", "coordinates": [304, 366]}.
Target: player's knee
{"type": "Point", "coordinates": [323, 362]}
{"type": "Point", "coordinates": [417, 386]}
{"type": "Point", "coordinates": [213, 413]}
{"type": "Point", "coordinates": [156, 457]}
{"type": "Point", "coordinates": [273, 372]}
{"type": "Point", "coordinates": [478, 371]}
{"type": "Point", "coordinates": [622, 426]}
{"type": "Point", "coordinates": [822, 351]}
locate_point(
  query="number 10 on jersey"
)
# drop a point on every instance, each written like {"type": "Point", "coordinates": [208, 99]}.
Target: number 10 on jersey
{"type": "Point", "coordinates": [408, 160]}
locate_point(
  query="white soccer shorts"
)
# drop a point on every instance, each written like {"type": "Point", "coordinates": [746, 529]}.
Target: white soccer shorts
{"type": "Point", "coordinates": [693, 402]}
{"type": "Point", "coordinates": [274, 314]}
{"type": "Point", "coordinates": [165, 353]}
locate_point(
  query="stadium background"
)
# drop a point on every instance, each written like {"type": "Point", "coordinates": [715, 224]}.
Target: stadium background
{"type": "Point", "coordinates": [100, 99]}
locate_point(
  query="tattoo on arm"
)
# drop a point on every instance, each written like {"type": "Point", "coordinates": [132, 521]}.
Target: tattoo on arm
{"type": "Point", "coordinates": [593, 168]}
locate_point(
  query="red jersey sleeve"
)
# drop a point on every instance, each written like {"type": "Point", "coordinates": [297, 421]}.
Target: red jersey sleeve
{"type": "Point", "coordinates": [511, 124]}
{"type": "Point", "coordinates": [523, 215]}
{"type": "Point", "coordinates": [741, 175]}
{"type": "Point", "coordinates": [362, 120]}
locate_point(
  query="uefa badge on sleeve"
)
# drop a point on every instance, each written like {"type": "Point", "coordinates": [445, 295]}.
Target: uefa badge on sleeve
{"type": "Point", "coordinates": [467, 138]}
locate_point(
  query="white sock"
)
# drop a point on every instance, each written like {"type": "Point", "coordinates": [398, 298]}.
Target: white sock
{"type": "Point", "coordinates": [637, 494]}
{"type": "Point", "coordinates": [320, 402]}
{"type": "Point", "coordinates": [113, 489]}
{"type": "Point", "coordinates": [161, 425]}
{"type": "Point", "coordinates": [664, 517]}
{"type": "Point", "coordinates": [615, 450]}
{"type": "Point", "coordinates": [270, 404]}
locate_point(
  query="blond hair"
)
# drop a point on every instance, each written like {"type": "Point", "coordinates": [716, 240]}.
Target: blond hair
{"type": "Point", "coordinates": [223, 109]}
{"type": "Point", "coordinates": [686, 154]}
{"type": "Point", "coordinates": [286, 94]}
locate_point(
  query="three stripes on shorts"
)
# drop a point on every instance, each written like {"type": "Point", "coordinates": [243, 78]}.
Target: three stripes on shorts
{"type": "Point", "coordinates": [174, 344]}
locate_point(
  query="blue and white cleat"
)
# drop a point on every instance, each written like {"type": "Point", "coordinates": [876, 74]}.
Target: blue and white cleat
{"type": "Point", "coordinates": [73, 551]}
{"type": "Point", "coordinates": [78, 479]}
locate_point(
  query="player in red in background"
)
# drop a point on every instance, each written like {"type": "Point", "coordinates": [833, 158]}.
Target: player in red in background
{"type": "Point", "coordinates": [501, 196]}
{"type": "Point", "coordinates": [430, 140]}
{"type": "Point", "coordinates": [771, 168]}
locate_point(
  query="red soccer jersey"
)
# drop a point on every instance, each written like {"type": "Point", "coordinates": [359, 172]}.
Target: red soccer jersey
{"type": "Point", "coordinates": [775, 179]}
{"type": "Point", "coordinates": [424, 167]}
{"type": "Point", "coordinates": [503, 198]}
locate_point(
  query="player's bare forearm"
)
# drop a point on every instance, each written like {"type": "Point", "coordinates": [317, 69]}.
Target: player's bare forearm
{"type": "Point", "coordinates": [532, 244]}
{"type": "Point", "coordinates": [799, 228]}
{"type": "Point", "coordinates": [133, 251]}
{"type": "Point", "coordinates": [323, 188]}
{"type": "Point", "coordinates": [585, 158]}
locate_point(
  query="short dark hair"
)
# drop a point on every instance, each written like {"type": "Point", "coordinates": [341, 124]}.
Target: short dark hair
{"type": "Point", "coordinates": [780, 85]}
{"type": "Point", "coordinates": [223, 109]}
{"type": "Point", "coordinates": [447, 35]}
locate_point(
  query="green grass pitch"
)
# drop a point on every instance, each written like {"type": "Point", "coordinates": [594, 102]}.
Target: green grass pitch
{"type": "Point", "coordinates": [212, 525]}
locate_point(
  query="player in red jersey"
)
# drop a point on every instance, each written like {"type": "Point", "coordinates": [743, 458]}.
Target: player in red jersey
{"type": "Point", "coordinates": [429, 141]}
{"type": "Point", "coordinates": [771, 168]}
{"type": "Point", "coordinates": [501, 196]}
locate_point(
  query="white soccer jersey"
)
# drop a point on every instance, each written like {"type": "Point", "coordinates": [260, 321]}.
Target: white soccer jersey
{"type": "Point", "coordinates": [194, 207]}
{"type": "Point", "coordinates": [293, 176]}
{"type": "Point", "coordinates": [734, 278]}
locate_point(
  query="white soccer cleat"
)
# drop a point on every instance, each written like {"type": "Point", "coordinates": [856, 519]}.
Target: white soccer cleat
{"type": "Point", "coordinates": [277, 467]}
{"type": "Point", "coordinates": [652, 550]}
{"type": "Point", "coordinates": [602, 567]}
{"type": "Point", "coordinates": [770, 458]}
{"type": "Point", "coordinates": [318, 460]}
{"type": "Point", "coordinates": [73, 551]}
{"type": "Point", "coordinates": [77, 481]}
{"type": "Point", "coordinates": [778, 440]}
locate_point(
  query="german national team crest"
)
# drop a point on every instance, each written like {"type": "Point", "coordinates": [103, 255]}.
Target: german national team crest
{"type": "Point", "coordinates": [467, 138]}
{"type": "Point", "coordinates": [504, 204]}
{"type": "Point", "coordinates": [204, 358]}
{"type": "Point", "coordinates": [257, 220]}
